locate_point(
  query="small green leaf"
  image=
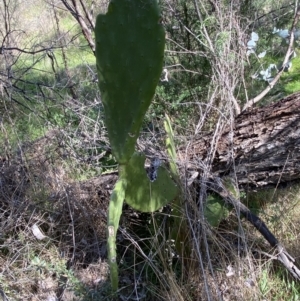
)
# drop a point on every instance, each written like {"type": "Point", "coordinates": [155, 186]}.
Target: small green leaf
{"type": "Point", "coordinates": [215, 210]}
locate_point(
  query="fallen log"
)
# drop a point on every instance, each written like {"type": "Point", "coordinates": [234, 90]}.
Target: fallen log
{"type": "Point", "coordinates": [261, 149]}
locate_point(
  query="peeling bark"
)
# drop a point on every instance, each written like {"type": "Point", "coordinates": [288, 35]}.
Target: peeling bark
{"type": "Point", "coordinates": [261, 149]}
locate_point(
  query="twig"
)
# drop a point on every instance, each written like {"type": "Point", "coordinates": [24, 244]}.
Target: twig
{"type": "Point", "coordinates": [3, 295]}
{"type": "Point", "coordinates": [47, 49]}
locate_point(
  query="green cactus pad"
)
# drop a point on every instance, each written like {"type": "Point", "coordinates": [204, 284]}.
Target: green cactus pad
{"type": "Point", "coordinates": [141, 193]}
{"type": "Point", "coordinates": [171, 145]}
{"type": "Point", "coordinates": [215, 210]}
{"type": "Point", "coordinates": [129, 50]}
{"type": "Point", "coordinates": [114, 214]}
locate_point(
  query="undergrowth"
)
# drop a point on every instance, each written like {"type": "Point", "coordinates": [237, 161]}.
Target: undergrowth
{"type": "Point", "coordinates": [54, 149]}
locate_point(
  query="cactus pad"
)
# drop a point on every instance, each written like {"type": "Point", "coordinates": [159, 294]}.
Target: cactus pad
{"type": "Point", "coordinates": [141, 193]}
{"type": "Point", "coordinates": [129, 51]}
{"type": "Point", "coordinates": [114, 214]}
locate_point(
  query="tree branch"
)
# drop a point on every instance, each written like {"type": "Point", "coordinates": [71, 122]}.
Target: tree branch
{"type": "Point", "coordinates": [79, 18]}
{"type": "Point", "coordinates": [288, 54]}
{"type": "Point", "coordinates": [2, 49]}
{"type": "Point", "coordinates": [282, 255]}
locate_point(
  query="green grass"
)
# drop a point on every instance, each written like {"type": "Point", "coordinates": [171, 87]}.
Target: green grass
{"type": "Point", "coordinates": [277, 285]}
{"type": "Point", "coordinates": [291, 79]}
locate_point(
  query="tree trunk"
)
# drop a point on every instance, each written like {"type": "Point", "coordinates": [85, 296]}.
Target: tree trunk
{"type": "Point", "coordinates": [261, 149]}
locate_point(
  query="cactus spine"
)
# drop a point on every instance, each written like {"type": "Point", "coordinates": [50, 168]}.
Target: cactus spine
{"type": "Point", "coordinates": [129, 52]}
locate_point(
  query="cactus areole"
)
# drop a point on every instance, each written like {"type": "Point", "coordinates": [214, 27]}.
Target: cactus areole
{"type": "Point", "coordinates": [129, 50]}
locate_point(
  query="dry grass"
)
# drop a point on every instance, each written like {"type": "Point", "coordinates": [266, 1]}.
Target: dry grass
{"type": "Point", "coordinates": [227, 263]}
{"type": "Point", "coordinates": [37, 190]}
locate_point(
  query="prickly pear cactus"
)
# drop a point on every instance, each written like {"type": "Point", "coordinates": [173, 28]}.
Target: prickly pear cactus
{"type": "Point", "coordinates": [114, 214]}
{"type": "Point", "coordinates": [141, 193]}
{"type": "Point", "coordinates": [129, 51]}
{"type": "Point", "coordinates": [170, 145]}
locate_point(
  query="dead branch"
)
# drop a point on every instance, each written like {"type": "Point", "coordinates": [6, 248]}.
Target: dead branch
{"type": "Point", "coordinates": [282, 255]}
{"type": "Point", "coordinates": [84, 20]}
